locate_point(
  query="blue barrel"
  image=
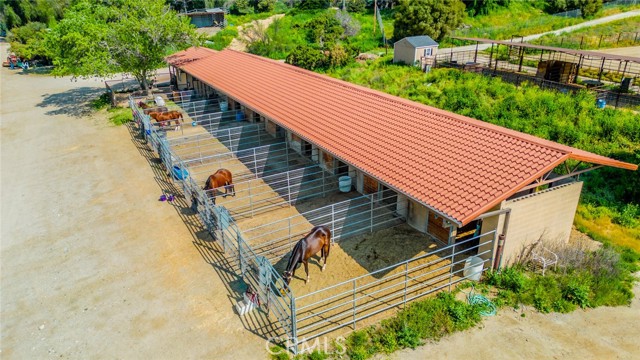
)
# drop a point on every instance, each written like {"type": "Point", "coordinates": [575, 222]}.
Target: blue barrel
{"type": "Point", "coordinates": [239, 116]}
{"type": "Point", "coordinates": [601, 103]}
{"type": "Point", "coordinates": [180, 174]}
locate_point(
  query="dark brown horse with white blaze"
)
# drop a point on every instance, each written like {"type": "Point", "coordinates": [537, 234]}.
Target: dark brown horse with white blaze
{"type": "Point", "coordinates": [220, 178]}
{"type": "Point", "coordinates": [319, 239]}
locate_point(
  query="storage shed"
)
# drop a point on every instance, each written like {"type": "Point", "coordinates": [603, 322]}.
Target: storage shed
{"type": "Point", "coordinates": [206, 17]}
{"type": "Point", "coordinates": [416, 50]}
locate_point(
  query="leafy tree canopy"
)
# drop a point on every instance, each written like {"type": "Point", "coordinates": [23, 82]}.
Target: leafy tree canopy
{"type": "Point", "coordinates": [435, 18]}
{"type": "Point", "coordinates": [20, 12]}
{"type": "Point", "coordinates": [28, 41]}
{"type": "Point", "coordinates": [101, 38]}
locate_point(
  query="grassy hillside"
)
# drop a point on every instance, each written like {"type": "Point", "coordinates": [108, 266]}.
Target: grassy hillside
{"type": "Point", "coordinates": [619, 33]}
{"type": "Point", "coordinates": [520, 18]}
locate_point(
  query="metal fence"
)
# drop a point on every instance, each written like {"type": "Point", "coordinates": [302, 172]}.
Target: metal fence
{"type": "Point", "coordinates": [217, 141]}
{"type": "Point", "coordinates": [257, 272]}
{"type": "Point", "coordinates": [366, 213]}
{"type": "Point", "coordinates": [354, 300]}
{"type": "Point", "coordinates": [248, 163]}
{"type": "Point", "coordinates": [262, 194]}
{"type": "Point", "coordinates": [252, 252]}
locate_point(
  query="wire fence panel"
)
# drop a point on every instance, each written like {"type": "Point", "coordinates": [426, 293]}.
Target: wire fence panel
{"type": "Point", "coordinates": [349, 302]}
{"type": "Point", "coordinates": [348, 218]}
{"type": "Point", "coordinates": [266, 193]}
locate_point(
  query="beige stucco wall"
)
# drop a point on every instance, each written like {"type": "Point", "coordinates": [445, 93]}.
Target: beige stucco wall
{"type": "Point", "coordinates": [403, 52]}
{"type": "Point", "coordinates": [418, 216]}
{"type": "Point", "coordinates": [548, 214]}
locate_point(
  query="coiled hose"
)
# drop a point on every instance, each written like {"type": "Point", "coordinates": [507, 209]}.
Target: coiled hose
{"type": "Point", "coordinates": [477, 299]}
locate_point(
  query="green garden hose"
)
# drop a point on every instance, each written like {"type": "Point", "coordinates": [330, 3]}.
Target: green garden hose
{"type": "Point", "coordinates": [477, 299]}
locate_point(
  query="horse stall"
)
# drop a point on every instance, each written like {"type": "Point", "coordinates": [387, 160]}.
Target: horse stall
{"type": "Point", "coordinates": [376, 264]}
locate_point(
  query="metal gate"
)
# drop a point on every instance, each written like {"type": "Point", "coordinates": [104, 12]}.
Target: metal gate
{"type": "Point", "coordinates": [257, 273]}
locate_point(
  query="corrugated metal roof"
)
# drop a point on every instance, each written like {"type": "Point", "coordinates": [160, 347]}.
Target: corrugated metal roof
{"type": "Point", "coordinates": [455, 165]}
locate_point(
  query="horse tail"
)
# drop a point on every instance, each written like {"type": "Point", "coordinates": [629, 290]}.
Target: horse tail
{"type": "Point", "coordinates": [296, 256]}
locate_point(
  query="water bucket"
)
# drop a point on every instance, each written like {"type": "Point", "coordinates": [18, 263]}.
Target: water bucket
{"type": "Point", "coordinates": [224, 106]}
{"type": "Point", "coordinates": [180, 174]}
{"type": "Point", "coordinates": [345, 183]}
{"type": "Point", "coordinates": [601, 103]}
{"type": "Point", "coordinates": [473, 268]}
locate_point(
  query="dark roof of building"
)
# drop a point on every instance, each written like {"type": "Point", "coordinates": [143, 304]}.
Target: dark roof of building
{"type": "Point", "coordinates": [421, 41]}
{"type": "Point", "coordinates": [204, 11]}
{"type": "Point", "coordinates": [457, 166]}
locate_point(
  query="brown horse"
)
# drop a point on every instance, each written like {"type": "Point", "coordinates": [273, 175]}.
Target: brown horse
{"type": "Point", "coordinates": [319, 239]}
{"type": "Point", "coordinates": [155, 109]}
{"type": "Point", "coordinates": [220, 178]}
{"type": "Point", "coordinates": [164, 118]}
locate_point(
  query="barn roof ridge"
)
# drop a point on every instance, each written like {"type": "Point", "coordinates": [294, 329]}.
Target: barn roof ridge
{"type": "Point", "coordinates": [430, 109]}
{"type": "Point", "coordinates": [457, 166]}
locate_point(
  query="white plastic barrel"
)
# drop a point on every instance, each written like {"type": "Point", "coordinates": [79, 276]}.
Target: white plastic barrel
{"type": "Point", "coordinates": [224, 106]}
{"type": "Point", "coordinates": [473, 268]}
{"type": "Point", "coordinates": [344, 183]}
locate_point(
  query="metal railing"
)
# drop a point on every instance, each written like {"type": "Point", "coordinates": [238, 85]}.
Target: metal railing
{"type": "Point", "coordinates": [366, 213]}
{"type": "Point", "coordinates": [256, 196]}
{"type": "Point", "coordinates": [351, 301]}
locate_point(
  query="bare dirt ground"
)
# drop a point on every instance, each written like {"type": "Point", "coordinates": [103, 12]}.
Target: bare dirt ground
{"type": "Point", "coordinates": [240, 44]}
{"type": "Point", "coordinates": [92, 265]}
{"type": "Point", "coordinates": [627, 51]}
{"type": "Point", "coordinates": [602, 333]}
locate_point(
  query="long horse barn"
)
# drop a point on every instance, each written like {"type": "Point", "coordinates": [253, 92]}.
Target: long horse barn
{"type": "Point", "coordinates": [410, 193]}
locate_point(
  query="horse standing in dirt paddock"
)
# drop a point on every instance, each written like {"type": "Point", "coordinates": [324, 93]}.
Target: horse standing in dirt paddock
{"type": "Point", "coordinates": [220, 178]}
{"type": "Point", "coordinates": [319, 239]}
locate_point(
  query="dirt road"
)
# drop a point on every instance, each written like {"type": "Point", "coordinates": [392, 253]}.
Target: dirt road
{"type": "Point", "coordinates": [92, 265]}
{"type": "Point", "coordinates": [602, 333]}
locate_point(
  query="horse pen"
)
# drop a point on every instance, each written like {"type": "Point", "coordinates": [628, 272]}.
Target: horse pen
{"type": "Point", "coordinates": [377, 262]}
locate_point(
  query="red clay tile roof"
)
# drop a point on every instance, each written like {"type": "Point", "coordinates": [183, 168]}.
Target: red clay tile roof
{"type": "Point", "coordinates": [455, 165]}
{"type": "Point", "coordinates": [191, 54]}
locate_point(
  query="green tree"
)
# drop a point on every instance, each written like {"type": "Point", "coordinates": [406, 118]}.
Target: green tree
{"type": "Point", "coordinates": [313, 4]}
{"type": "Point", "coordinates": [589, 7]}
{"type": "Point", "coordinates": [104, 38]}
{"type": "Point", "coordinates": [28, 41]}
{"type": "Point", "coordinates": [435, 18]}
{"type": "Point", "coordinates": [355, 5]}
{"type": "Point", "coordinates": [306, 57]}
{"type": "Point", "coordinates": [325, 29]}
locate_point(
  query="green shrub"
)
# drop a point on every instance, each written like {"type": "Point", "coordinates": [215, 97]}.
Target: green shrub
{"type": "Point", "coordinates": [511, 278]}
{"type": "Point", "coordinates": [223, 38]}
{"type": "Point", "coordinates": [432, 318]}
{"type": "Point", "coordinates": [101, 102]}
{"type": "Point", "coordinates": [120, 116]}
{"type": "Point", "coordinates": [356, 5]}
{"type": "Point", "coordinates": [577, 293]}
{"type": "Point", "coordinates": [306, 57]}
{"type": "Point", "coordinates": [313, 4]}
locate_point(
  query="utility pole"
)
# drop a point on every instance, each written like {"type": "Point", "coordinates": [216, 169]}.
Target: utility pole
{"type": "Point", "coordinates": [375, 12]}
